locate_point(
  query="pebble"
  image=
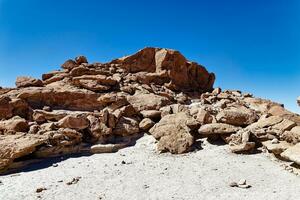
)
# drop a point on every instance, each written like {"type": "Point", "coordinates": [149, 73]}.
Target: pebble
{"type": "Point", "coordinates": [74, 181]}
{"type": "Point", "coordinates": [242, 182]}
{"type": "Point", "coordinates": [41, 189]}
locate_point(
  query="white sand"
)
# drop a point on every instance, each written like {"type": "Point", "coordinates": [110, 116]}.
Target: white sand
{"type": "Point", "coordinates": [204, 174]}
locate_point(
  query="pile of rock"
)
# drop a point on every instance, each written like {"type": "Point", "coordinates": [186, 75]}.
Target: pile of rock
{"type": "Point", "coordinates": [102, 107]}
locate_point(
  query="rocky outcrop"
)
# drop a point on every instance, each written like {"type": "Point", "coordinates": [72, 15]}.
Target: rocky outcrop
{"type": "Point", "coordinates": [102, 107]}
{"type": "Point", "coordinates": [170, 68]}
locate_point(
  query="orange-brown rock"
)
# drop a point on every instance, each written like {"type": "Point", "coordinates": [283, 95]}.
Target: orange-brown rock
{"type": "Point", "coordinates": [181, 74]}
{"type": "Point", "coordinates": [24, 81]}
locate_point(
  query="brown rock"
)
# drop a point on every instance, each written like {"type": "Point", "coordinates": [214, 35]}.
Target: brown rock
{"type": "Point", "coordinates": [24, 81]}
{"type": "Point", "coordinates": [292, 154]}
{"type": "Point", "coordinates": [181, 74]}
{"type": "Point", "coordinates": [77, 122]}
{"type": "Point", "coordinates": [81, 59]}
{"type": "Point", "coordinates": [217, 128]}
{"type": "Point", "coordinates": [173, 133]}
{"type": "Point", "coordinates": [152, 114]}
{"type": "Point", "coordinates": [177, 143]}
{"type": "Point", "coordinates": [146, 124]}
{"type": "Point", "coordinates": [107, 148]}
{"type": "Point", "coordinates": [6, 109]}
{"type": "Point", "coordinates": [282, 112]}
{"type": "Point", "coordinates": [243, 147]}
{"type": "Point", "coordinates": [239, 116]}
{"type": "Point", "coordinates": [276, 148]}
{"type": "Point", "coordinates": [147, 101]}
{"type": "Point", "coordinates": [292, 136]}
{"type": "Point", "coordinates": [69, 64]}
{"type": "Point", "coordinates": [62, 98]}
{"type": "Point", "coordinates": [13, 125]}
{"type": "Point", "coordinates": [16, 146]}
{"type": "Point", "coordinates": [204, 117]}
{"type": "Point", "coordinates": [126, 126]}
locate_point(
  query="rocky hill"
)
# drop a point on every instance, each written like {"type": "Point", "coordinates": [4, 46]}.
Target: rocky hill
{"type": "Point", "coordinates": [102, 107]}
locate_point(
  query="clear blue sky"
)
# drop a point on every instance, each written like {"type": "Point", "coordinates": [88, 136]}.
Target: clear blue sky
{"type": "Point", "coordinates": [252, 45]}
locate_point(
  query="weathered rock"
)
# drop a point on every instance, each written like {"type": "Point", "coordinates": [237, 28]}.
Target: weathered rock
{"type": "Point", "coordinates": [239, 116]}
{"type": "Point", "coordinates": [61, 98]}
{"type": "Point", "coordinates": [126, 126]}
{"type": "Point", "coordinates": [179, 142]}
{"type": "Point", "coordinates": [16, 146]}
{"type": "Point", "coordinates": [13, 125]}
{"type": "Point", "coordinates": [98, 127]}
{"type": "Point", "coordinates": [6, 109]}
{"type": "Point", "coordinates": [292, 136]}
{"type": "Point", "coordinates": [24, 81]}
{"type": "Point", "coordinates": [181, 74]}
{"type": "Point", "coordinates": [292, 154]}
{"type": "Point", "coordinates": [243, 147]}
{"type": "Point", "coordinates": [173, 133]}
{"type": "Point", "coordinates": [152, 114]}
{"type": "Point", "coordinates": [107, 148]}
{"type": "Point", "coordinates": [147, 101]}
{"type": "Point", "coordinates": [280, 111]}
{"type": "Point", "coordinates": [77, 122]}
{"type": "Point", "coordinates": [204, 117]}
{"type": "Point", "coordinates": [298, 101]}
{"type": "Point", "coordinates": [276, 148]}
{"type": "Point", "coordinates": [81, 59]}
{"type": "Point", "coordinates": [69, 64]}
{"type": "Point", "coordinates": [217, 128]}
{"type": "Point", "coordinates": [146, 124]}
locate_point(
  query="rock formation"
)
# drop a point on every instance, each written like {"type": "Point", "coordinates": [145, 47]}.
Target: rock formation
{"type": "Point", "coordinates": [102, 107]}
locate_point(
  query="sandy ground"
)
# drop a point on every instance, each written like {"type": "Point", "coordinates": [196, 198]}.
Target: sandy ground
{"type": "Point", "coordinates": [204, 174]}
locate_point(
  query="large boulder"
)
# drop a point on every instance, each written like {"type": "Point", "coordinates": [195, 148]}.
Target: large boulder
{"type": "Point", "coordinates": [13, 125]}
{"type": "Point", "coordinates": [126, 126]}
{"type": "Point", "coordinates": [174, 133]}
{"type": "Point", "coordinates": [61, 98]}
{"type": "Point", "coordinates": [6, 109]}
{"type": "Point", "coordinates": [24, 81]}
{"type": "Point", "coordinates": [217, 128]}
{"type": "Point", "coordinates": [77, 122]}
{"type": "Point", "coordinates": [292, 154]}
{"type": "Point", "coordinates": [238, 116]}
{"type": "Point", "coordinates": [16, 146]}
{"type": "Point", "coordinates": [148, 101]}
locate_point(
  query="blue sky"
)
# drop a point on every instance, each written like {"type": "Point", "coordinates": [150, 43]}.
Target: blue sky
{"type": "Point", "coordinates": [252, 45]}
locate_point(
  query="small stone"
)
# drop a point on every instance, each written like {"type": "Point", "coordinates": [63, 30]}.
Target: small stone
{"type": "Point", "coordinates": [233, 184]}
{"type": "Point", "coordinates": [55, 165]}
{"type": "Point", "coordinates": [242, 182]}
{"type": "Point", "coordinates": [74, 181]}
{"type": "Point", "coordinates": [244, 186]}
{"type": "Point", "coordinates": [123, 162]}
{"type": "Point", "coordinates": [146, 186]}
{"type": "Point", "coordinates": [41, 189]}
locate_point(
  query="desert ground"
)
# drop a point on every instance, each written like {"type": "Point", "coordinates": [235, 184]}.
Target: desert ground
{"type": "Point", "coordinates": [139, 172]}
